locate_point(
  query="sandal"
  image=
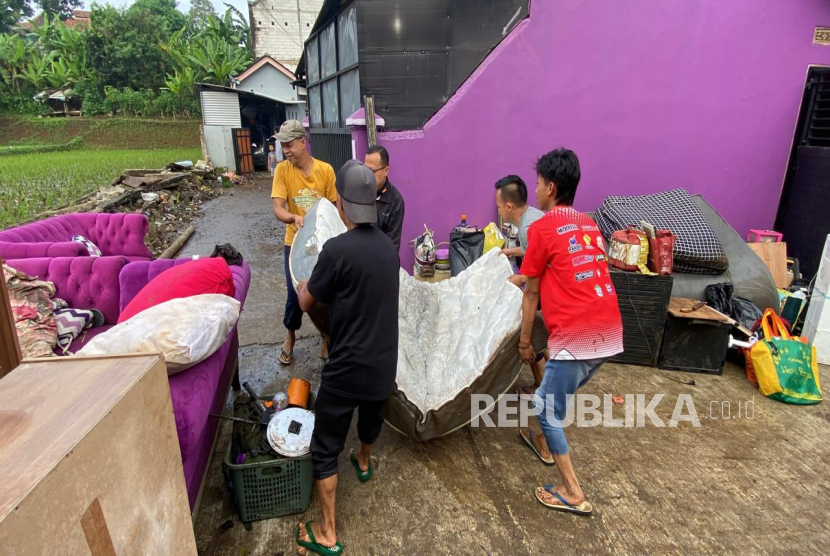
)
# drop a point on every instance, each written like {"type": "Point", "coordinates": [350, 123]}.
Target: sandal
{"type": "Point", "coordinates": [562, 505]}
{"type": "Point", "coordinates": [285, 357]}
{"type": "Point", "coordinates": [362, 475]}
{"type": "Point", "coordinates": [312, 545]}
{"type": "Point", "coordinates": [529, 440]}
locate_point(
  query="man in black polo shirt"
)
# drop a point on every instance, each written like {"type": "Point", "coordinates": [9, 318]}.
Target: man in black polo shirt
{"type": "Point", "coordinates": [389, 199]}
{"type": "Point", "coordinates": [356, 275]}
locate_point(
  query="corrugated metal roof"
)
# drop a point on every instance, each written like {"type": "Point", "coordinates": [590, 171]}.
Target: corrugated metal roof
{"type": "Point", "coordinates": [221, 108]}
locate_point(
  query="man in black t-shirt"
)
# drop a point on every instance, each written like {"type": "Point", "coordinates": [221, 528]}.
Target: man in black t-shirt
{"type": "Point", "coordinates": [356, 276]}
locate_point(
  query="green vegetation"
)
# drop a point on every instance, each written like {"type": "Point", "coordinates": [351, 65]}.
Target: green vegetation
{"type": "Point", "coordinates": [143, 60]}
{"type": "Point", "coordinates": [99, 133]}
{"type": "Point", "coordinates": [33, 183]}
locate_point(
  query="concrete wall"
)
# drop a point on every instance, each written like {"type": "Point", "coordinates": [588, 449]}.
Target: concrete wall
{"type": "Point", "coordinates": [280, 27]}
{"type": "Point", "coordinates": [295, 111]}
{"type": "Point", "coordinates": [651, 95]}
{"type": "Point", "coordinates": [271, 82]}
{"type": "Point", "coordinates": [219, 146]}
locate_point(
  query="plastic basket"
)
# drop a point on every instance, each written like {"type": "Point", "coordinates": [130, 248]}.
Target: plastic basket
{"type": "Point", "coordinates": [270, 488]}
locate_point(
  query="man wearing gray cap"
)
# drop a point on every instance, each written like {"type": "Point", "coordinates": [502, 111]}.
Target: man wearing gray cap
{"type": "Point", "coordinates": [299, 182]}
{"type": "Point", "coordinates": [356, 276]}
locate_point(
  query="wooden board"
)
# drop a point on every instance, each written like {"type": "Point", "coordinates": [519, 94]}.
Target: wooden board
{"type": "Point", "coordinates": [9, 347]}
{"type": "Point", "coordinates": [678, 304]}
{"type": "Point", "coordinates": [439, 276]}
{"type": "Point", "coordinates": [90, 458]}
{"type": "Point", "coordinates": [774, 256]}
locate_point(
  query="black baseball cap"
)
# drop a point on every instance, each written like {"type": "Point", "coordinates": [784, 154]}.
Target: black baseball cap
{"type": "Point", "coordinates": [358, 192]}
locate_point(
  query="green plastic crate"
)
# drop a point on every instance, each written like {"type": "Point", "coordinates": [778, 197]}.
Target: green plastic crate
{"type": "Point", "coordinates": [270, 488]}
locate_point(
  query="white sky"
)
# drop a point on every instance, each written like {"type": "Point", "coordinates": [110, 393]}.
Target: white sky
{"type": "Point", "coordinates": [183, 5]}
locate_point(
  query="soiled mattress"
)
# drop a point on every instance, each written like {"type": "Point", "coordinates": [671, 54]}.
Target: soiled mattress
{"type": "Point", "coordinates": [457, 337]}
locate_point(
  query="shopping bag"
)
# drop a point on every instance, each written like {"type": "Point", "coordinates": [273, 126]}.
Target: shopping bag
{"type": "Point", "coordinates": [493, 238]}
{"type": "Point", "coordinates": [629, 250]}
{"type": "Point", "coordinates": [785, 366]}
{"type": "Point", "coordinates": [661, 252]}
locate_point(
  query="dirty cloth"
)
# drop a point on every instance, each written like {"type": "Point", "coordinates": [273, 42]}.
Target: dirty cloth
{"type": "Point", "coordinates": [697, 249]}
{"type": "Point", "coordinates": [229, 253]}
{"type": "Point", "coordinates": [34, 319]}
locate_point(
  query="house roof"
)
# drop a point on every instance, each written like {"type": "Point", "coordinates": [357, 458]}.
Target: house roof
{"type": "Point", "coordinates": [78, 17]}
{"type": "Point", "coordinates": [263, 61]}
{"type": "Point", "coordinates": [243, 93]}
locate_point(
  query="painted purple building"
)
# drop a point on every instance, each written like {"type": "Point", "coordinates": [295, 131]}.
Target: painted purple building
{"type": "Point", "coordinates": [651, 95]}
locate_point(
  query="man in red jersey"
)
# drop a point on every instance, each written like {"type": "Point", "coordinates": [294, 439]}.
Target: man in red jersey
{"type": "Point", "coordinates": [566, 266]}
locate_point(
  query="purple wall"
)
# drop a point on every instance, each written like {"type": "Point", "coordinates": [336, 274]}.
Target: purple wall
{"type": "Point", "coordinates": [651, 95]}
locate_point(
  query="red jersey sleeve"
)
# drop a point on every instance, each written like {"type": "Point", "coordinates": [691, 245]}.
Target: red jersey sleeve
{"type": "Point", "coordinates": [536, 257]}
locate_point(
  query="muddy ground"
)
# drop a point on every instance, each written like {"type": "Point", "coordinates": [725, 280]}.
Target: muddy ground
{"type": "Point", "coordinates": [736, 485]}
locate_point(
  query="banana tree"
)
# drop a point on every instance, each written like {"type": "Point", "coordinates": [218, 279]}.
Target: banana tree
{"type": "Point", "coordinates": [13, 55]}
{"type": "Point", "coordinates": [39, 72]}
{"type": "Point", "coordinates": [219, 61]}
{"type": "Point", "coordinates": [182, 84]}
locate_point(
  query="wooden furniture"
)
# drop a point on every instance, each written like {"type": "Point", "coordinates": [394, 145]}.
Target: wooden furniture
{"type": "Point", "coordinates": [696, 337]}
{"type": "Point", "coordinates": [9, 346]}
{"type": "Point", "coordinates": [90, 459]}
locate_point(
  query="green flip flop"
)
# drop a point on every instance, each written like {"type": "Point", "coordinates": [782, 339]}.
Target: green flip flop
{"type": "Point", "coordinates": [314, 546]}
{"type": "Point", "coordinates": [362, 475]}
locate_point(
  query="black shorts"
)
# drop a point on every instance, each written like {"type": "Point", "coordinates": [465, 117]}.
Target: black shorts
{"type": "Point", "coordinates": [332, 419]}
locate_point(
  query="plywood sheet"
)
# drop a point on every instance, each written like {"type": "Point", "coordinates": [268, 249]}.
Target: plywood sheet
{"type": "Point", "coordinates": [91, 459]}
{"type": "Point", "coordinates": [774, 256]}
{"type": "Point", "coordinates": [680, 307]}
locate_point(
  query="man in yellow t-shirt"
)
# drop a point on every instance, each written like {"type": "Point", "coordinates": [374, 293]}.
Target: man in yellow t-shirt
{"type": "Point", "coordinates": [299, 182]}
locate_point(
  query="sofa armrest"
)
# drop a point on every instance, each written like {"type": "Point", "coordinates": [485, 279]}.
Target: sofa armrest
{"type": "Point", "coordinates": [137, 274]}
{"type": "Point", "coordinates": [41, 249]}
{"type": "Point", "coordinates": [241, 281]}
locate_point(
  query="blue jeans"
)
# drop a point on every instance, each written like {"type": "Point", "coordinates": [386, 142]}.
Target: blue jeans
{"type": "Point", "coordinates": [562, 379]}
{"type": "Point", "coordinates": [293, 318]}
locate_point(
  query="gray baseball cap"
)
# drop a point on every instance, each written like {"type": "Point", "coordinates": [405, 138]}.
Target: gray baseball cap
{"type": "Point", "coordinates": [358, 192]}
{"type": "Point", "coordinates": [290, 130]}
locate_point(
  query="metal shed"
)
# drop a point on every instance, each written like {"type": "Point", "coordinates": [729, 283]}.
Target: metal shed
{"type": "Point", "coordinates": [228, 112]}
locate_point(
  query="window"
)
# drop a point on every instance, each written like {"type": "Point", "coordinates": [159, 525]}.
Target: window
{"type": "Point", "coordinates": [349, 94]}
{"type": "Point", "coordinates": [328, 52]}
{"type": "Point", "coordinates": [333, 77]}
{"type": "Point", "coordinates": [312, 61]}
{"type": "Point", "coordinates": [347, 37]}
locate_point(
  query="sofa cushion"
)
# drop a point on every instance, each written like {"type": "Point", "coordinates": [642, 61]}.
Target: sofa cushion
{"type": "Point", "coordinates": [193, 278]}
{"type": "Point", "coordinates": [84, 282]}
{"type": "Point", "coordinates": [86, 336]}
{"type": "Point", "coordinates": [185, 330]}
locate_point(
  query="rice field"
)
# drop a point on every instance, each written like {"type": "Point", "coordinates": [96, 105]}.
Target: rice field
{"type": "Point", "coordinates": [33, 183]}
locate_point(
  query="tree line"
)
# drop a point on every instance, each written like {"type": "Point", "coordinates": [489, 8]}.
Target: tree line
{"type": "Point", "coordinates": [143, 60]}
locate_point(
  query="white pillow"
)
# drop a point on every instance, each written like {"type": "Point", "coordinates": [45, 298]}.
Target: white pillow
{"type": "Point", "coordinates": [185, 330]}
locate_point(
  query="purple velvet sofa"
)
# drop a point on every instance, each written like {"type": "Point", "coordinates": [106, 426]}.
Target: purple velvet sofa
{"type": "Point", "coordinates": [114, 234]}
{"type": "Point", "coordinates": [108, 284]}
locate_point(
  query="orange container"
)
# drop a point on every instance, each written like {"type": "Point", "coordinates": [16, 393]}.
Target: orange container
{"type": "Point", "coordinates": [298, 390]}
